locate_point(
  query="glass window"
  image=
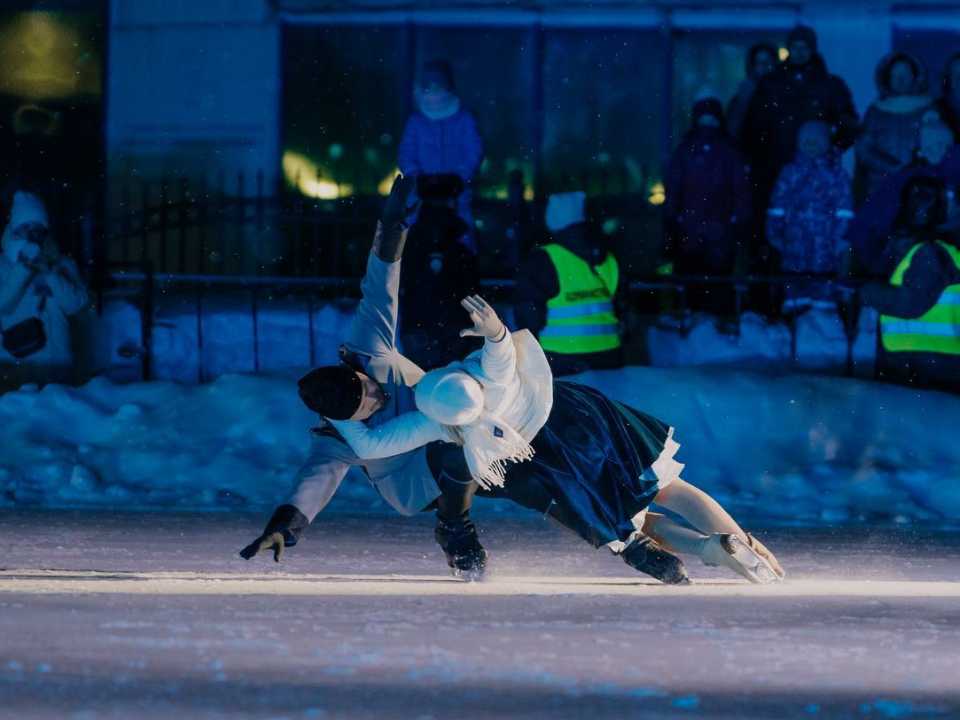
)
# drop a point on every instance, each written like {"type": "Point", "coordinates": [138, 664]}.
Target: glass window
{"type": "Point", "coordinates": [342, 107]}
{"type": "Point", "coordinates": [709, 60]}
{"type": "Point", "coordinates": [602, 107]}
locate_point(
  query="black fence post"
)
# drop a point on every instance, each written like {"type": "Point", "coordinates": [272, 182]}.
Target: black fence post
{"type": "Point", "coordinates": [146, 321]}
{"type": "Point", "coordinates": [164, 194]}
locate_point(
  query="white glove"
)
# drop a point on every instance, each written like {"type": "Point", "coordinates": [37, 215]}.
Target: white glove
{"type": "Point", "coordinates": [486, 323]}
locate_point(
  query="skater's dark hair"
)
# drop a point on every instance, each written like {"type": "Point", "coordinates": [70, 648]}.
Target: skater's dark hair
{"type": "Point", "coordinates": [333, 391]}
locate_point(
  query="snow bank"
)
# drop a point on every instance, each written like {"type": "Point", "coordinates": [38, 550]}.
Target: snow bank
{"type": "Point", "coordinates": [774, 448]}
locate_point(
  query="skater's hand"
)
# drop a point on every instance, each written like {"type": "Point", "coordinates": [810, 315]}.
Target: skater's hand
{"type": "Point", "coordinates": [396, 209]}
{"type": "Point", "coordinates": [486, 323]}
{"type": "Point", "coordinates": [273, 541]}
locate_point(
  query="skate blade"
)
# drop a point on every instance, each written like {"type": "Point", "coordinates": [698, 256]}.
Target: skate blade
{"type": "Point", "coordinates": [756, 569]}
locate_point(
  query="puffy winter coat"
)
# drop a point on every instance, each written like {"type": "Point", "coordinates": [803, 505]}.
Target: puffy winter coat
{"type": "Point", "coordinates": [707, 195]}
{"type": "Point", "coordinates": [52, 294]}
{"type": "Point", "coordinates": [809, 210]}
{"type": "Point", "coordinates": [890, 133]}
{"type": "Point", "coordinates": [785, 100]}
{"type": "Point", "coordinates": [450, 145]}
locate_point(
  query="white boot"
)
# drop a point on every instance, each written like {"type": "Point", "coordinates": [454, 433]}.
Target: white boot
{"type": "Point", "coordinates": [732, 552]}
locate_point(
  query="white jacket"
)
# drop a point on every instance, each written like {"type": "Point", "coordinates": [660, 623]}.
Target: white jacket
{"type": "Point", "coordinates": [517, 388]}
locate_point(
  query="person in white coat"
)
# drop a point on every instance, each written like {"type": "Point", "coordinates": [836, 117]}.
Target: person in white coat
{"type": "Point", "coordinates": [40, 290]}
{"type": "Point", "coordinates": [597, 464]}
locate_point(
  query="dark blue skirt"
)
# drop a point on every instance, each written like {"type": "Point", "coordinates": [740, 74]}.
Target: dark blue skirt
{"type": "Point", "coordinates": [592, 468]}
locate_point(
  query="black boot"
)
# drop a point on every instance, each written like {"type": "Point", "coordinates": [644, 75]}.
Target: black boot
{"type": "Point", "coordinates": [645, 555]}
{"type": "Point", "coordinates": [465, 555]}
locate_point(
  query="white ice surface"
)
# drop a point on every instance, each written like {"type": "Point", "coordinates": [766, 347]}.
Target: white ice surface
{"type": "Point", "coordinates": [780, 448]}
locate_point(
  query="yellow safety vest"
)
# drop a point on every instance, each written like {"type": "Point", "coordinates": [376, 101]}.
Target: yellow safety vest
{"type": "Point", "coordinates": [937, 330]}
{"type": "Point", "coordinates": [580, 319]}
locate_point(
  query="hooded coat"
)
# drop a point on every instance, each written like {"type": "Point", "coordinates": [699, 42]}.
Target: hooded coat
{"type": "Point", "coordinates": [948, 105]}
{"type": "Point", "coordinates": [785, 100]}
{"type": "Point", "coordinates": [739, 103]}
{"type": "Point", "coordinates": [809, 210]}
{"type": "Point", "coordinates": [890, 132]}
{"type": "Point", "coordinates": [52, 291]}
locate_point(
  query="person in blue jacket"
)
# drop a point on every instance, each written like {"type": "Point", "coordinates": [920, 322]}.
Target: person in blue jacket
{"type": "Point", "coordinates": [442, 137]}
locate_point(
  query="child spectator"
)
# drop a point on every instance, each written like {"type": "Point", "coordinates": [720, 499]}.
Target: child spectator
{"type": "Point", "coordinates": [809, 210]}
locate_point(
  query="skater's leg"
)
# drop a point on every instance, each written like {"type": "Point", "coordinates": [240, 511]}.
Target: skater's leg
{"type": "Point", "coordinates": [722, 541]}
{"type": "Point", "coordinates": [697, 508]}
{"type": "Point", "coordinates": [672, 535]}
{"type": "Point", "coordinates": [455, 533]}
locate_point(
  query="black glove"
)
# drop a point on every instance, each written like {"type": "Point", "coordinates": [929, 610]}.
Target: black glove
{"type": "Point", "coordinates": [284, 529]}
{"type": "Point", "coordinates": [395, 209]}
{"type": "Point", "coordinates": [273, 541]}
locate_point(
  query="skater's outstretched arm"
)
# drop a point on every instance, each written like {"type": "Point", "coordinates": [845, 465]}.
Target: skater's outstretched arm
{"type": "Point", "coordinates": [403, 433]}
{"type": "Point", "coordinates": [374, 327]}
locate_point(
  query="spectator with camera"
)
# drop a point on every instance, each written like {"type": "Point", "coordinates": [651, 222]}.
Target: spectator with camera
{"type": "Point", "coordinates": [40, 289]}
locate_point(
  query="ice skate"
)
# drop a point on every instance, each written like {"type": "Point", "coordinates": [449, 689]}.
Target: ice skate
{"type": "Point", "coordinates": [646, 555]}
{"type": "Point", "coordinates": [465, 555]}
{"type": "Point", "coordinates": [730, 551]}
{"type": "Point", "coordinates": [760, 549]}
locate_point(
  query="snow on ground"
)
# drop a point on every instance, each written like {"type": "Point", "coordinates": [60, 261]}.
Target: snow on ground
{"type": "Point", "coordinates": [781, 448]}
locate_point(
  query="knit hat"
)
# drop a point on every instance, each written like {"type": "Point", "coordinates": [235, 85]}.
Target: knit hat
{"type": "Point", "coordinates": [27, 208]}
{"type": "Point", "coordinates": [708, 107]}
{"type": "Point", "coordinates": [436, 72]}
{"type": "Point", "coordinates": [804, 34]}
{"type": "Point", "coordinates": [449, 396]}
{"type": "Point", "coordinates": [333, 391]}
{"type": "Point", "coordinates": [564, 210]}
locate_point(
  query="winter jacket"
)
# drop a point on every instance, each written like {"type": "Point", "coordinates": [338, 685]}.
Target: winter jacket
{"type": "Point", "coordinates": [449, 145]}
{"type": "Point", "coordinates": [870, 231]}
{"type": "Point", "coordinates": [810, 207]}
{"type": "Point", "coordinates": [708, 199]}
{"type": "Point", "coordinates": [948, 105]}
{"type": "Point", "coordinates": [538, 282]}
{"type": "Point", "coordinates": [890, 132]}
{"type": "Point", "coordinates": [931, 271]}
{"type": "Point", "coordinates": [785, 100]}
{"type": "Point", "coordinates": [438, 272]}
{"type": "Point", "coordinates": [52, 293]}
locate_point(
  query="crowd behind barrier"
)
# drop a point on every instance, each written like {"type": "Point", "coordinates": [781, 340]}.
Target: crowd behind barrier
{"type": "Point", "coordinates": [759, 214]}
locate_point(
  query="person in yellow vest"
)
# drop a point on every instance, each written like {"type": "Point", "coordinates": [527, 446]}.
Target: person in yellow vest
{"type": "Point", "coordinates": [571, 291]}
{"type": "Point", "coordinates": [920, 304]}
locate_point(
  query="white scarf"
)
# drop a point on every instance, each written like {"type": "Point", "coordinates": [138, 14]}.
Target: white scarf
{"type": "Point", "coordinates": [489, 442]}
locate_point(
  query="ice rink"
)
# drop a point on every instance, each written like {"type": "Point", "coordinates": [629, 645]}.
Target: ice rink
{"type": "Point", "coordinates": [139, 615]}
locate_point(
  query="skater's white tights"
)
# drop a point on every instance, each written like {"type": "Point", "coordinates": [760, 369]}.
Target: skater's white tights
{"type": "Point", "coordinates": [696, 507]}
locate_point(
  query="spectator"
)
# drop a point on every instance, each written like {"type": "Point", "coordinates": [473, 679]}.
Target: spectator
{"type": "Point", "coordinates": [570, 291]}
{"type": "Point", "coordinates": [949, 103]}
{"type": "Point", "coordinates": [39, 290]}
{"type": "Point", "coordinates": [761, 61]}
{"type": "Point", "coordinates": [437, 273]}
{"type": "Point", "coordinates": [708, 206]}
{"type": "Point", "coordinates": [799, 90]}
{"type": "Point", "coordinates": [890, 133]}
{"type": "Point", "coordinates": [870, 232]}
{"type": "Point", "coordinates": [920, 304]}
{"type": "Point", "coordinates": [809, 210]}
{"type": "Point", "coordinates": [443, 138]}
